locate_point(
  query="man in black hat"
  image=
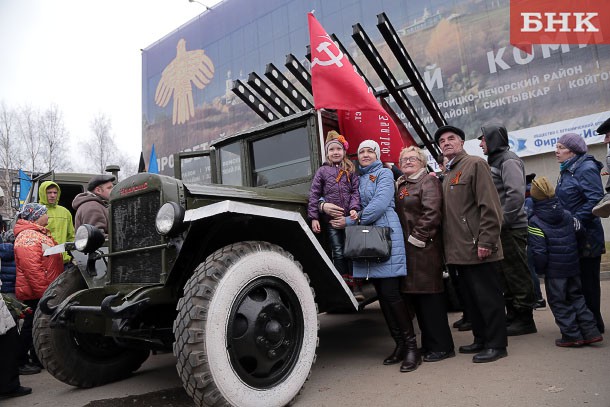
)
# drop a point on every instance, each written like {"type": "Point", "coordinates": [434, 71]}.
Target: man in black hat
{"type": "Point", "coordinates": [472, 220]}
{"type": "Point", "coordinates": [92, 206]}
{"type": "Point", "coordinates": [602, 209]}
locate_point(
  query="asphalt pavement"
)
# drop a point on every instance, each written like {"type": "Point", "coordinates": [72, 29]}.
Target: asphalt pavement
{"type": "Point", "coordinates": [349, 372]}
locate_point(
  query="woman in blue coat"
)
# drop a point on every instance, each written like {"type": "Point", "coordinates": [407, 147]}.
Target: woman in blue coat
{"type": "Point", "coordinates": [579, 189]}
{"type": "Point", "coordinates": [377, 200]}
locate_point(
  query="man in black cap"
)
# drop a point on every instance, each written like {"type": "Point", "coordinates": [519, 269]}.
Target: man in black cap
{"type": "Point", "coordinates": [92, 206]}
{"type": "Point", "coordinates": [472, 221]}
{"type": "Point", "coordinates": [602, 209]}
{"type": "Point", "coordinates": [508, 173]}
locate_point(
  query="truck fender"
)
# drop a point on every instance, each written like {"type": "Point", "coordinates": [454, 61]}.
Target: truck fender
{"type": "Point", "coordinates": [331, 290]}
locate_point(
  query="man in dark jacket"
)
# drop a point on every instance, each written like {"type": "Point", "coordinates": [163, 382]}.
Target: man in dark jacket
{"type": "Point", "coordinates": [508, 174]}
{"type": "Point", "coordinates": [602, 209]}
{"type": "Point", "coordinates": [92, 206]}
{"type": "Point", "coordinates": [472, 219]}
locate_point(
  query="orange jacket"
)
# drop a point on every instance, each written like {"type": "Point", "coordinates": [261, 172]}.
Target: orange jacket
{"type": "Point", "coordinates": [34, 271]}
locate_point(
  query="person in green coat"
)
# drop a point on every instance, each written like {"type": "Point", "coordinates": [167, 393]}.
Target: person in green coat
{"type": "Point", "coordinates": [60, 218]}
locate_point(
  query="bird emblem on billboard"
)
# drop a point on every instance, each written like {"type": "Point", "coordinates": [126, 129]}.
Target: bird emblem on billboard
{"type": "Point", "coordinates": [187, 69]}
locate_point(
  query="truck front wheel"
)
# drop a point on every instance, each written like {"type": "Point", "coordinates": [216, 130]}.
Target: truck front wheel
{"type": "Point", "coordinates": [246, 331]}
{"type": "Point", "coordinates": [76, 358]}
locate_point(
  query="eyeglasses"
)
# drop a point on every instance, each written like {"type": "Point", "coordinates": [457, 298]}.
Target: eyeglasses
{"type": "Point", "coordinates": [409, 160]}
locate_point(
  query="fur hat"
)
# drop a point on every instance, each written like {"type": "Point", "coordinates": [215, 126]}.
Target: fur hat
{"type": "Point", "coordinates": [99, 180]}
{"type": "Point", "coordinates": [372, 144]}
{"type": "Point", "coordinates": [604, 127]}
{"type": "Point", "coordinates": [573, 142]}
{"type": "Point", "coordinates": [32, 212]}
{"type": "Point", "coordinates": [334, 137]}
{"type": "Point", "coordinates": [542, 189]}
{"type": "Point", "coordinates": [446, 129]}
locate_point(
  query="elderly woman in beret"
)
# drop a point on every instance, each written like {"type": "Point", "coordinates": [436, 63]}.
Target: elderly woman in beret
{"type": "Point", "coordinates": [419, 202]}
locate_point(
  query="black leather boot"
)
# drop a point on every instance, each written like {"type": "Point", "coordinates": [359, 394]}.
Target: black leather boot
{"type": "Point", "coordinates": [412, 357]}
{"type": "Point", "coordinates": [400, 350]}
{"type": "Point", "coordinates": [523, 323]}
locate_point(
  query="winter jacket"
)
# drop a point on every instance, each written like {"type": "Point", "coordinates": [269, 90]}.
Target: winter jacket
{"type": "Point", "coordinates": [377, 200]}
{"type": "Point", "coordinates": [92, 210]}
{"type": "Point", "coordinates": [6, 319]}
{"type": "Point", "coordinates": [8, 270]}
{"type": "Point", "coordinates": [60, 218]}
{"type": "Point", "coordinates": [419, 204]}
{"type": "Point", "coordinates": [579, 189]}
{"type": "Point", "coordinates": [336, 186]}
{"type": "Point", "coordinates": [552, 240]}
{"type": "Point", "coordinates": [472, 214]}
{"type": "Point", "coordinates": [508, 173]}
{"type": "Point", "coordinates": [34, 271]}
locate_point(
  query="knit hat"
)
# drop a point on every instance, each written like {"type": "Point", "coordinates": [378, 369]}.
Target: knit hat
{"type": "Point", "coordinates": [573, 142]}
{"type": "Point", "coordinates": [542, 189]}
{"type": "Point", "coordinates": [334, 137]}
{"type": "Point", "coordinates": [32, 212]}
{"type": "Point", "coordinates": [372, 144]}
{"type": "Point", "coordinates": [604, 127]}
{"type": "Point", "coordinates": [446, 129]}
{"type": "Point", "coordinates": [99, 180]}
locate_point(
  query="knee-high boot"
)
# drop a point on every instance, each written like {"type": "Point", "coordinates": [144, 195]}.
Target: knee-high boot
{"type": "Point", "coordinates": [412, 356]}
{"type": "Point", "coordinates": [400, 350]}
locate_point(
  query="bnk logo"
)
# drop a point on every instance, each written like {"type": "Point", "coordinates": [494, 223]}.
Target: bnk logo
{"type": "Point", "coordinates": [559, 22]}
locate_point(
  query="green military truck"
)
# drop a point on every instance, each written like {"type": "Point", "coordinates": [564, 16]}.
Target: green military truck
{"type": "Point", "coordinates": [218, 262]}
{"type": "Point", "coordinates": [227, 272]}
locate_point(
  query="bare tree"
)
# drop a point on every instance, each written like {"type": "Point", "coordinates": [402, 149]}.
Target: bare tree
{"type": "Point", "coordinates": [10, 152]}
{"type": "Point", "coordinates": [29, 133]}
{"type": "Point", "coordinates": [54, 137]}
{"type": "Point", "coordinates": [101, 147]}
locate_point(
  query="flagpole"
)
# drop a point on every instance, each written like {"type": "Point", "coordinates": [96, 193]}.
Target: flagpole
{"type": "Point", "coordinates": [321, 134]}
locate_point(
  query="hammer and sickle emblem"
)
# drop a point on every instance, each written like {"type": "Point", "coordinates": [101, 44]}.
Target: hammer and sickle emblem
{"type": "Point", "coordinates": [335, 59]}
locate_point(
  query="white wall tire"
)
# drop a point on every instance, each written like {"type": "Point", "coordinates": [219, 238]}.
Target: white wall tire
{"type": "Point", "coordinates": [246, 332]}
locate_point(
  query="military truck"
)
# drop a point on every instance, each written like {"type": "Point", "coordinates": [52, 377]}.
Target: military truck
{"type": "Point", "coordinates": [228, 272]}
{"type": "Point", "coordinates": [217, 262]}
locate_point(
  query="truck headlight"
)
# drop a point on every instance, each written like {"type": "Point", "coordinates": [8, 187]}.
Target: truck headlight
{"type": "Point", "coordinates": [169, 218]}
{"type": "Point", "coordinates": [88, 238]}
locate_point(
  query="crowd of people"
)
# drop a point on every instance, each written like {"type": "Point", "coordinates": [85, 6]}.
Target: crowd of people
{"type": "Point", "coordinates": [25, 273]}
{"type": "Point", "coordinates": [494, 229]}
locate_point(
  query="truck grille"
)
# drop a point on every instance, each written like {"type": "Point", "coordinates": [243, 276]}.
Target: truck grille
{"type": "Point", "coordinates": [133, 226]}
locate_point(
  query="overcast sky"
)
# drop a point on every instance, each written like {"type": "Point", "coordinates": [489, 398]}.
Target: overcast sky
{"type": "Point", "coordinates": [84, 56]}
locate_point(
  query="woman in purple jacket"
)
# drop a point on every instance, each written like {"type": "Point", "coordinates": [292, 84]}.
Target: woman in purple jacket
{"type": "Point", "coordinates": [335, 183]}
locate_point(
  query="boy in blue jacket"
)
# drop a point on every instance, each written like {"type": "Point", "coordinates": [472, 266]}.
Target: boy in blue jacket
{"type": "Point", "coordinates": [553, 241]}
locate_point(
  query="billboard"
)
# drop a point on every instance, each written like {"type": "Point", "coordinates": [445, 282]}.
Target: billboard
{"type": "Point", "coordinates": [461, 47]}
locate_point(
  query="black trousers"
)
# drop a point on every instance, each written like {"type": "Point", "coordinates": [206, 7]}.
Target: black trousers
{"type": "Point", "coordinates": [27, 353]}
{"type": "Point", "coordinates": [9, 366]}
{"type": "Point", "coordinates": [569, 309]}
{"type": "Point", "coordinates": [589, 277]}
{"type": "Point", "coordinates": [482, 290]}
{"type": "Point", "coordinates": [431, 312]}
{"type": "Point", "coordinates": [336, 237]}
{"type": "Point", "coordinates": [388, 289]}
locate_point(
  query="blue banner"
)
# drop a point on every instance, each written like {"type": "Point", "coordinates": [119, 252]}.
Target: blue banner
{"type": "Point", "coordinates": [25, 183]}
{"type": "Point", "coordinates": [152, 162]}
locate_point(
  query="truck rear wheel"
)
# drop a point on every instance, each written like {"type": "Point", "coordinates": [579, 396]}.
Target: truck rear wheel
{"type": "Point", "coordinates": [247, 328]}
{"type": "Point", "coordinates": [76, 358]}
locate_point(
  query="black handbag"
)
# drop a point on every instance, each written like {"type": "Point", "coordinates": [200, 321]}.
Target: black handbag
{"type": "Point", "coordinates": [368, 243]}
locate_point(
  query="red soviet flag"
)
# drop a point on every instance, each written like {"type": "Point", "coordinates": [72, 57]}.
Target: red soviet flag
{"type": "Point", "coordinates": [336, 85]}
